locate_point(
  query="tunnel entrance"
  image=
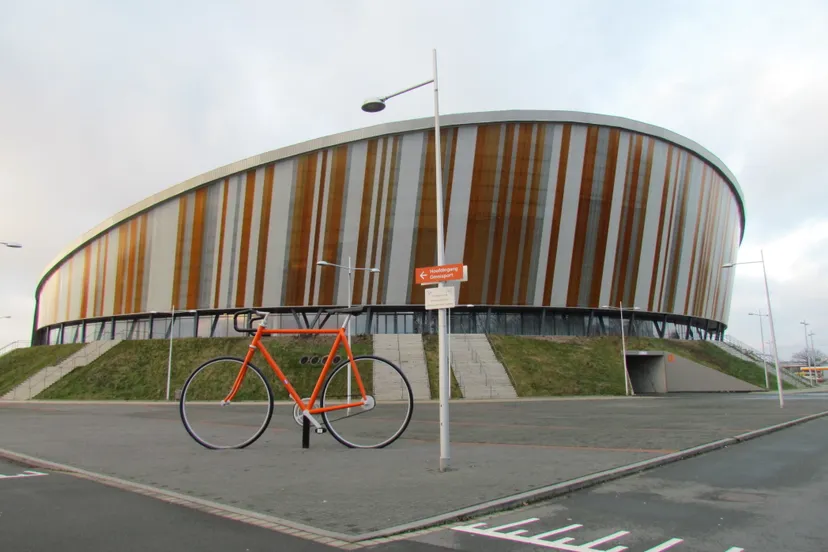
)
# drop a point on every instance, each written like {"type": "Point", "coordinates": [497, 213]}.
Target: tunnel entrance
{"type": "Point", "coordinates": [647, 372]}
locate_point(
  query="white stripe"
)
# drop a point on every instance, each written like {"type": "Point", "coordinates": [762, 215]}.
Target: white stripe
{"type": "Point", "coordinates": [664, 546]}
{"type": "Point", "coordinates": [278, 239]}
{"type": "Point", "coordinates": [376, 195]}
{"type": "Point", "coordinates": [569, 215]}
{"type": "Point", "coordinates": [326, 187]}
{"type": "Point", "coordinates": [455, 229]}
{"type": "Point", "coordinates": [615, 217]}
{"type": "Point", "coordinates": [653, 213]}
{"type": "Point", "coordinates": [350, 225]}
{"type": "Point", "coordinates": [310, 264]}
{"type": "Point", "coordinates": [608, 538]}
{"type": "Point", "coordinates": [515, 524]}
{"type": "Point", "coordinates": [549, 209]}
{"type": "Point", "coordinates": [376, 261]}
{"type": "Point", "coordinates": [253, 247]}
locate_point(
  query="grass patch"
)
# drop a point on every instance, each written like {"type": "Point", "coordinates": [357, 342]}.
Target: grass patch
{"type": "Point", "coordinates": [431, 347]}
{"type": "Point", "coordinates": [542, 367]}
{"type": "Point", "coordinates": [20, 364]}
{"type": "Point", "coordinates": [137, 370]}
{"type": "Point", "coordinates": [711, 356]}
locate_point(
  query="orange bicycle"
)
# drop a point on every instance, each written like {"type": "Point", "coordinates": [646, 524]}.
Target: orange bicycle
{"type": "Point", "coordinates": [365, 402]}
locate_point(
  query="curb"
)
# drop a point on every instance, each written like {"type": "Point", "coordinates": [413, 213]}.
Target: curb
{"type": "Point", "coordinates": [352, 542]}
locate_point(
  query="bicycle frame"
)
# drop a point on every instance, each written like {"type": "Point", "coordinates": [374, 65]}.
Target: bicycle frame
{"type": "Point", "coordinates": [256, 344]}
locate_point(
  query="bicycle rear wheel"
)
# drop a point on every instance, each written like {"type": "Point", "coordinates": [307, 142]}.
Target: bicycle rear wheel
{"type": "Point", "coordinates": [218, 425]}
{"type": "Point", "coordinates": [389, 409]}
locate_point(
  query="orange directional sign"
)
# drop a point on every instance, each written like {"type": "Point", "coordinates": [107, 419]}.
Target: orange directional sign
{"type": "Point", "coordinates": [444, 273]}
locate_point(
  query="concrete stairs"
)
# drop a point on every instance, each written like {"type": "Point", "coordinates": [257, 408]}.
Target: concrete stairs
{"type": "Point", "coordinates": [34, 385]}
{"type": "Point", "coordinates": [479, 373]}
{"type": "Point", "coordinates": [406, 351]}
{"type": "Point", "coordinates": [793, 379]}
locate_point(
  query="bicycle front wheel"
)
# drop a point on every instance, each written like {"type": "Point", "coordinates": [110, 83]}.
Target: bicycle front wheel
{"type": "Point", "coordinates": [215, 424]}
{"type": "Point", "coordinates": [387, 413]}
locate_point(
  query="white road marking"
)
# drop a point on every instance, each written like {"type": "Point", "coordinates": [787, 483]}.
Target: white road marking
{"type": "Point", "coordinates": [562, 543]}
{"type": "Point", "coordinates": [27, 473]}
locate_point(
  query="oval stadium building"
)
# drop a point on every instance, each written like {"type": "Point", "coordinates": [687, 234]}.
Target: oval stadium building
{"type": "Point", "coordinates": [560, 217]}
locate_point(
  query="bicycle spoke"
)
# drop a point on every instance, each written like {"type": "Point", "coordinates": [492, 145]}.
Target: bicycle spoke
{"type": "Point", "coordinates": [390, 403]}
{"type": "Point", "coordinates": [215, 424]}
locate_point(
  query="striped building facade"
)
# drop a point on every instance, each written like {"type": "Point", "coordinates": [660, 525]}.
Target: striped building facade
{"type": "Point", "coordinates": [547, 209]}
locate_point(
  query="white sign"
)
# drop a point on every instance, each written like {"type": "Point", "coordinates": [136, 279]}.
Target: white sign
{"type": "Point", "coordinates": [440, 298]}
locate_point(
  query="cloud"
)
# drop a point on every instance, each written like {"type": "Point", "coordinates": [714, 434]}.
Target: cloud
{"type": "Point", "coordinates": [104, 104]}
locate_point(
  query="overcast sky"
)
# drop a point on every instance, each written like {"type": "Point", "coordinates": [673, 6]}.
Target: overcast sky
{"type": "Point", "coordinates": [105, 103]}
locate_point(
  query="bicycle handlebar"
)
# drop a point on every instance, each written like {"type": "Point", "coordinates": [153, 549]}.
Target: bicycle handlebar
{"type": "Point", "coordinates": [258, 315]}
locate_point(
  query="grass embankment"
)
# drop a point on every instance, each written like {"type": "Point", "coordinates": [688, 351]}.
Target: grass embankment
{"type": "Point", "coordinates": [559, 366]}
{"type": "Point", "coordinates": [18, 365]}
{"type": "Point", "coordinates": [137, 370]}
{"type": "Point", "coordinates": [548, 366]}
{"type": "Point", "coordinates": [431, 348]}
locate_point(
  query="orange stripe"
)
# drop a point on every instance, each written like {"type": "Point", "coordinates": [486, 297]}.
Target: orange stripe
{"type": "Point", "coordinates": [552, 252]}
{"type": "Point", "coordinates": [69, 292]}
{"type": "Point", "coordinates": [450, 178]}
{"type": "Point", "coordinates": [642, 219]}
{"type": "Point", "coordinates": [196, 249]}
{"type": "Point", "coordinates": [317, 230]}
{"type": "Point", "coordinates": [676, 254]}
{"type": "Point", "coordinates": [87, 261]}
{"type": "Point", "coordinates": [300, 233]}
{"type": "Point", "coordinates": [582, 221]}
{"type": "Point", "coordinates": [660, 231]}
{"type": "Point", "coordinates": [96, 291]}
{"type": "Point", "coordinates": [519, 180]}
{"type": "Point", "coordinates": [264, 232]}
{"type": "Point", "coordinates": [604, 218]}
{"type": "Point", "coordinates": [222, 224]}
{"type": "Point", "coordinates": [244, 246]}
{"type": "Point", "coordinates": [668, 250]}
{"type": "Point", "coordinates": [103, 279]}
{"type": "Point", "coordinates": [139, 280]}
{"type": "Point", "coordinates": [495, 262]}
{"type": "Point", "coordinates": [333, 225]}
{"type": "Point", "coordinates": [531, 216]}
{"type": "Point", "coordinates": [388, 224]}
{"type": "Point", "coordinates": [710, 215]}
{"type": "Point", "coordinates": [121, 264]}
{"type": "Point", "coordinates": [692, 273]}
{"type": "Point", "coordinates": [480, 205]}
{"type": "Point", "coordinates": [364, 218]}
{"type": "Point", "coordinates": [179, 252]}
{"type": "Point", "coordinates": [130, 260]}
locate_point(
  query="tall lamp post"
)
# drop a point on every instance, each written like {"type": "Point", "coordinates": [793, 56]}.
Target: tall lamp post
{"type": "Point", "coordinates": [374, 105]}
{"type": "Point", "coordinates": [628, 390]}
{"type": "Point", "coordinates": [762, 335]}
{"type": "Point", "coordinates": [807, 350]}
{"type": "Point", "coordinates": [350, 270]}
{"type": "Point", "coordinates": [770, 322]}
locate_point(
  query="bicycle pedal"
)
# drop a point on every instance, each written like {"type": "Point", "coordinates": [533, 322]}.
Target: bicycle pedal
{"type": "Point", "coordinates": [320, 430]}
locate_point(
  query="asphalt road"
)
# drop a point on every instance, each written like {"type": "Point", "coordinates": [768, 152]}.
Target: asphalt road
{"type": "Point", "coordinates": [767, 494]}
{"type": "Point", "coordinates": [61, 512]}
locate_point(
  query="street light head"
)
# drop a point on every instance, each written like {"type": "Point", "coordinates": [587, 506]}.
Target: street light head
{"type": "Point", "coordinates": [728, 265]}
{"type": "Point", "coordinates": [14, 245]}
{"type": "Point", "coordinates": [322, 263]}
{"type": "Point", "coordinates": [375, 270]}
{"type": "Point", "coordinates": [373, 105]}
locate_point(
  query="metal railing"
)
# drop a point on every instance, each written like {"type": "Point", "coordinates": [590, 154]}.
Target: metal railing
{"type": "Point", "coordinates": [765, 359]}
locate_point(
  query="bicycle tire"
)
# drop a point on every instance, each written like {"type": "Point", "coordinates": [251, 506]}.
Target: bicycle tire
{"type": "Point", "coordinates": [259, 432]}
{"type": "Point", "coordinates": [344, 364]}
